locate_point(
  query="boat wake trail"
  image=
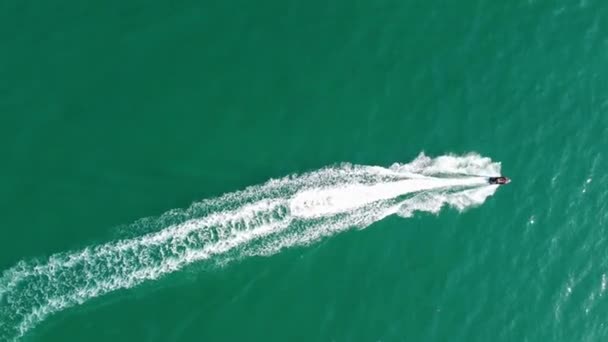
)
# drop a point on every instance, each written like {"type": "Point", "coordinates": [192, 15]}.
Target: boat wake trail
{"type": "Point", "coordinates": [260, 220]}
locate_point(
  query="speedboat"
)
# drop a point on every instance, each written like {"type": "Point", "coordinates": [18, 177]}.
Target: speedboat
{"type": "Point", "coordinates": [499, 180]}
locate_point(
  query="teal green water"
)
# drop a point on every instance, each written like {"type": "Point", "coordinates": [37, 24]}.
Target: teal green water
{"type": "Point", "coordinates": [110, 114]}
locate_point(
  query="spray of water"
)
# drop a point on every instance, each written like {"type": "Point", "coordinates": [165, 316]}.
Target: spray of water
{"type": "Point", "coordinates": [260, 220]}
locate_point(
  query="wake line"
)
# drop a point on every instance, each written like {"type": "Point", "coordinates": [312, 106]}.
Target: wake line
{"type": "Point", "coordinates": [315, 203]}
{"type": "Point", "coordinates": [260, 220]}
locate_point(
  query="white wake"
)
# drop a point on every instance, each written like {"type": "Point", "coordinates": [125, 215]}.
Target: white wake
{"type": "Point", "coordinates": [260, 220]}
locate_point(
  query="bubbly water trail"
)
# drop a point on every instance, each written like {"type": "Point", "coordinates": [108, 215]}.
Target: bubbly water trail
{"type": "Point", "coordinates": [260, 220]}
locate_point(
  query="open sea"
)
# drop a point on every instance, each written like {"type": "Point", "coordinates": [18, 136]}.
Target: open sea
{"type": "Point", "coordinates": [303, 170]}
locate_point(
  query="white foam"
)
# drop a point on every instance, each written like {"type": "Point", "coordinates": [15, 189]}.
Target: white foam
{"type": "Point", "coordinates": [260, 220]}
{"type": "Point", "coordinates": [323, 202]}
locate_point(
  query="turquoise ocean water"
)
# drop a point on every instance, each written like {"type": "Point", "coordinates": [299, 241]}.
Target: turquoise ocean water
{"type": "Point", "coordinates": [144, 146]}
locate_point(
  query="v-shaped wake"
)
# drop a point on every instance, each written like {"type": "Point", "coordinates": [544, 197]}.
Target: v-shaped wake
{"type": "Point", "coordinates": [260, 220]}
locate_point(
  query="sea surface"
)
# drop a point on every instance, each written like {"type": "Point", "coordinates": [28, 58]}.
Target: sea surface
{"type": "Point", "coordinates": [303, 170]}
